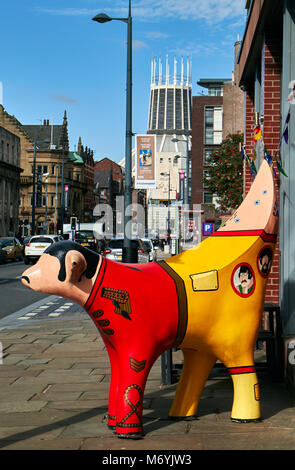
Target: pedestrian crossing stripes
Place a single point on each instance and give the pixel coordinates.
(52, 309)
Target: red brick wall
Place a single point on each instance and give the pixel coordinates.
(248, 138)
(271, 132)
(106, 165)
(198, 146)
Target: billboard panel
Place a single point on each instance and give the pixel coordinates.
(145, 164)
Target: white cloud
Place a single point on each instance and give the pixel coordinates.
(212, 11)
(63, 98)
(156, 35)
(136, 45)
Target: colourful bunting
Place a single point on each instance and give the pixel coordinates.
(280, 168)
(257, 133)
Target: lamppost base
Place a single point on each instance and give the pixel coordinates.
(130, 255)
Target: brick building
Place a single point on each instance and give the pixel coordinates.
(206, 135)
(267, 71)
(214, 116)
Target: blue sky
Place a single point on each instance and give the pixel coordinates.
(55, 58)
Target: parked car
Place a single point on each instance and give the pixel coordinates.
(150, 248)
(3, 256)
(12, 247)
(37, 245)
(114, 249)
(24, 243)
(86, 238)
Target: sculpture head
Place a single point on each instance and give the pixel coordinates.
(66, 269)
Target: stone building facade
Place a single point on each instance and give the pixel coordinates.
(89, 198)
(46, 147)
(10, 171)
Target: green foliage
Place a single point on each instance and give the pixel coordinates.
(225, 173)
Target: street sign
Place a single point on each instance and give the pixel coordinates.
(207, 228)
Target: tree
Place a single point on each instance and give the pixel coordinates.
(225, 173)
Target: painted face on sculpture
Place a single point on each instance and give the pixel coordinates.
(265, 260)
(62, 266)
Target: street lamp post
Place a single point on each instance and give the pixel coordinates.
(34, 189)
(129, 253)
(186, 199)
(168, 204)
(62, 200)
(46, 182)
(55, 207)
(34, 182)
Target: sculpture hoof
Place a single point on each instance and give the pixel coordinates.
(236, 420)
(184, 418)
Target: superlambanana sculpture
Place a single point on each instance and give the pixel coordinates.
(207, 301)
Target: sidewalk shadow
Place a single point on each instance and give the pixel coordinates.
(22, 436)
(217, 398)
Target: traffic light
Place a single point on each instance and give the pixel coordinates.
(73, 223)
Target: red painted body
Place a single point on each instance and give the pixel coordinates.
(136, 340)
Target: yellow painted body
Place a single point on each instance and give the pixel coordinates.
(223, 322)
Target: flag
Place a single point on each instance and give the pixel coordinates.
(242, 153)
(279, 166)
(253, 170)
(268, 158)
(286, 135)
(257, 133)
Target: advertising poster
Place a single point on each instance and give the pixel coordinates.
(145, 165)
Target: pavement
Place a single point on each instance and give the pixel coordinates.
(54, 381)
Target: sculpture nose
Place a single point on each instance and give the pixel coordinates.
(25, 278)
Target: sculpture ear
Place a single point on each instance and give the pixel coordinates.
(76, 265)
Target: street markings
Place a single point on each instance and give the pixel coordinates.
(52, 309)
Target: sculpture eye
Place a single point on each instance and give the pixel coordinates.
(257, 202)
(237, 220)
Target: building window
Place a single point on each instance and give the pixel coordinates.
(208, 198)
(215, 91)
(155, 107)
(213, 125)
(206, 175)
(178, 112)
(170, 106)
(161, 109)
(207, 155)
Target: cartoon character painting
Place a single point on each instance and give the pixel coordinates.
(207, 301)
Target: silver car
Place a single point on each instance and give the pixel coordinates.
(114, 250)
(150, 248)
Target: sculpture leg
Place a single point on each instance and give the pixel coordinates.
(196, 368)
(133, 376)
(112, 353)
(246, 403)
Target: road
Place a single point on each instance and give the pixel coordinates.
(13, 295)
